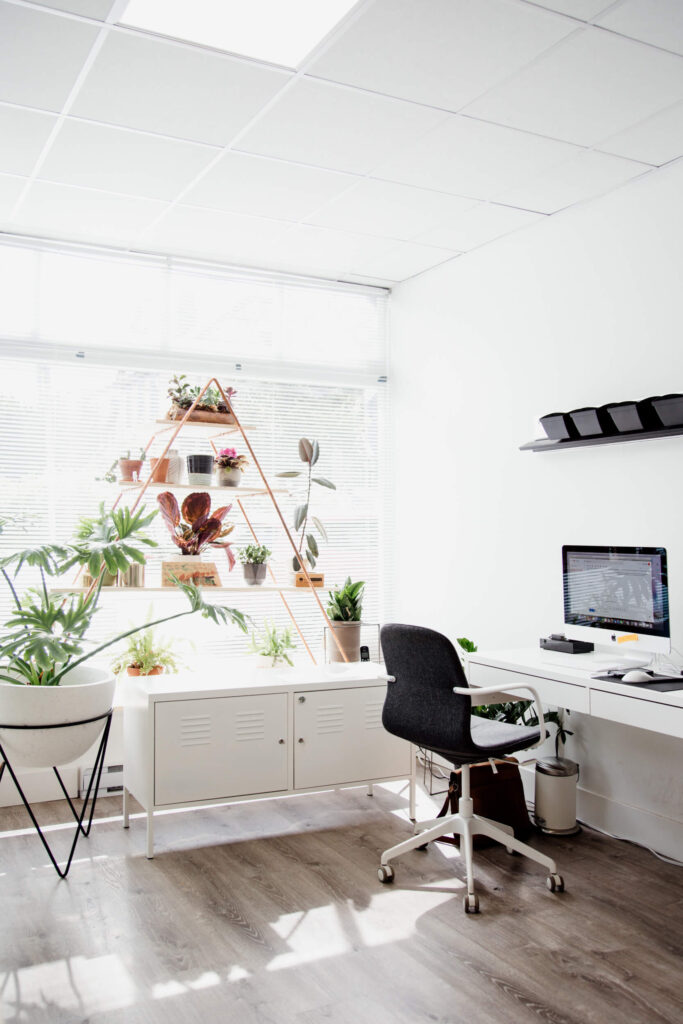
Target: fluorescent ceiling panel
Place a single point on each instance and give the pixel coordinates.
(267, 30)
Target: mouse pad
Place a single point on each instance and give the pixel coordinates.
(664, 684)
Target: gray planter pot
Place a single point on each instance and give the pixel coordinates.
(229, 477)
(348, 634)
(254, 575)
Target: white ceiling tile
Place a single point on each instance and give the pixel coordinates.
(439, 52)
(23, 133)
(657, 140)
(479, 225)
(584, 10)
(188, 230)
(467, 157)
(329, 250)
(266, 188)
(659, 22)
(585, 176)
(41, 55)
(591, 85)
(116, 160)
(403, 260)
(97, 9)
(183, 91)
(80, 214)
(388, 209)
(10, 190)
(336, 127)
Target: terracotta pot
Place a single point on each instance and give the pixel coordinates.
(156, 671)
(228, 477)
(159, 470)
(348, 634)
(130, 469)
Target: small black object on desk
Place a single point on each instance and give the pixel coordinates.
(559, 642)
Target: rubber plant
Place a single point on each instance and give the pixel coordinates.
(193, 525)
(309, 453)
(45, 635)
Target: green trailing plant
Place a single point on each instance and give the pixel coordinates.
(45, 635)
(307, 544)
(519, 712)
(345, 603)
(254, 554)
(271, 642)
(183, 394)
(146, 651)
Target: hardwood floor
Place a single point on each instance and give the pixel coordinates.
(271, 912)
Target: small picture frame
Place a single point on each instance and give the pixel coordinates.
(202, 574)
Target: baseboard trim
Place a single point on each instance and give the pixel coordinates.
(638, 824)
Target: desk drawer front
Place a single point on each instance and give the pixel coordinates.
(551, 691)
(644, 714)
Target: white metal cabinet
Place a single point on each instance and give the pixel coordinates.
(339, 738)
(219, 747)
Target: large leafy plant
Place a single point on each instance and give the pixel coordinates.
(309, 453)
(193, 526)
(346, 603)
(45, 635)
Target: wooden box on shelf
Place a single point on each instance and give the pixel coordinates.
(317, 579)
(201, 416)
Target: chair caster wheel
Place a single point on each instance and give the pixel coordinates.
(471, 904)
(423, 847)
(385, 874)
(555, 883)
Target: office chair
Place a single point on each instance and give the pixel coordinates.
(428, 703)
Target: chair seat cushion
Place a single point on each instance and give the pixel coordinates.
(496, 738)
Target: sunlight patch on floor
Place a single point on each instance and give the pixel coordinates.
(99, 983)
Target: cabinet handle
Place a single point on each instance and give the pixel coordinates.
(281, 741)
(301, 739)
(302, 700)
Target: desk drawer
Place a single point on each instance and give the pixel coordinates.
(644, 714)
(551, 691)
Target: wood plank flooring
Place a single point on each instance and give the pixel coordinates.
(271, 913)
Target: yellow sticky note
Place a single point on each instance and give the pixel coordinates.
(629, 636)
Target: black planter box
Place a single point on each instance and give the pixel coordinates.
(669, 409)
(626, 417)
(559, 427)
(200, 464)
(592, 421)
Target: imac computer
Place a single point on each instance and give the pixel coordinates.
(617, 597)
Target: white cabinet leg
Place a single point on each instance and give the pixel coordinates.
(371, 790)
(150, 835)
(126, 809)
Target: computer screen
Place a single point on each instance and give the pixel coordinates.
(619, 591)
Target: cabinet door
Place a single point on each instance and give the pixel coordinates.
(219, 747)
(339, 738)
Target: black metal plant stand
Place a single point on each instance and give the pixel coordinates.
(94, 780)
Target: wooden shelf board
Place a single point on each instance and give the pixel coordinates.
(216, 428)
(245, 492)
(545, 444)
(270, 588)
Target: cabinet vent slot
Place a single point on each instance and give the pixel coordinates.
(195, 730)
(329, 718)
(249, 726)
(373, 714)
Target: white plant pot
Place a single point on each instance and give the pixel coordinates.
(85, 692)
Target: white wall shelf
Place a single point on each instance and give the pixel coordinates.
(271, 588)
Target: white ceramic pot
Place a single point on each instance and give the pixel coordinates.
(228, 477)
(85, 692)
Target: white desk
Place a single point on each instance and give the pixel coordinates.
(564, 680)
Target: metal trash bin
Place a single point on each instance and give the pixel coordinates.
(555, 802)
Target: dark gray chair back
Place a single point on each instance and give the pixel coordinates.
(421, 706)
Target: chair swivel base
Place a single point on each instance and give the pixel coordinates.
(467, 825)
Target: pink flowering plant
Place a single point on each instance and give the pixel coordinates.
(229, 459)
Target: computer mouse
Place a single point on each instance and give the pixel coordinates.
(636, 675)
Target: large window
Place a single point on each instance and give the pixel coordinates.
(310, 359)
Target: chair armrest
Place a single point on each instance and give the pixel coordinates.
(483, 691)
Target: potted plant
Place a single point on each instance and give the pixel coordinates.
(193, 527)
(130, 469)
(254, 558)
(344, 611)
(210, 409)
(200, 470)
(146, 654)
(272, 643)
(307, 546)
(230, 467)
(46, 674)
(97, 532)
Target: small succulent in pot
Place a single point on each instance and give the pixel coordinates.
(210, 408)
(230, 467)
(146, 654)
(254, 558)
(273, 643)
(194, 526)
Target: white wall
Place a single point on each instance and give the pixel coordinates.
(583, 308)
